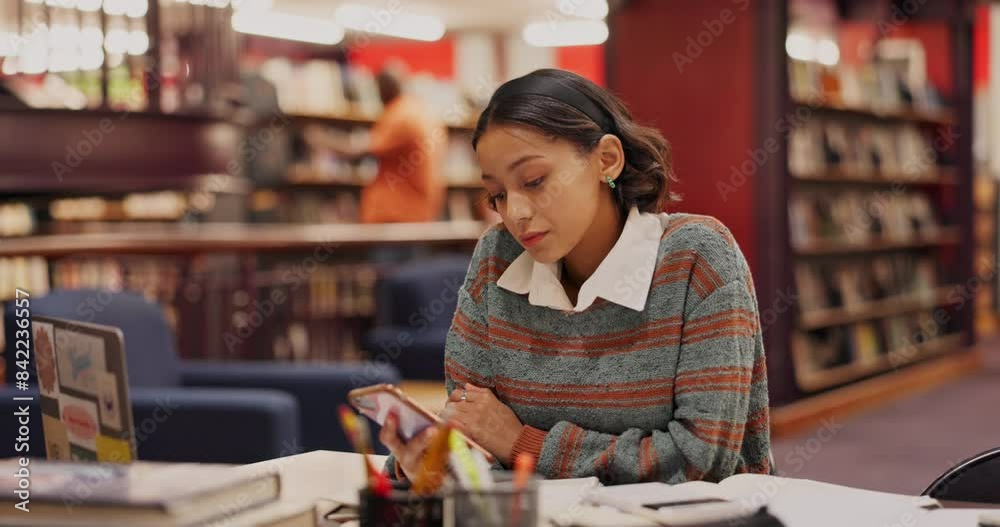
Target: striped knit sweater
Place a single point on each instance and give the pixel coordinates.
(675, 392)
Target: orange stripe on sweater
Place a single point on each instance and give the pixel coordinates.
(708, 438)
(727, 315)
(588, 403)
(471, 331)
(739, 332)
(613, 337)
(642, 340)
(589, 392)
(602, 465)
(628, 385)
(461, 374)
(488, 271)
(710, 372)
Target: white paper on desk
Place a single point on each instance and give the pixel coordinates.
(562, 498)
(662, 493)
(949, 518)
(817, 504)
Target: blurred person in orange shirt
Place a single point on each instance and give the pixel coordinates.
(409, 144)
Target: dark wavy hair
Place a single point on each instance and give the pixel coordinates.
(645, 179)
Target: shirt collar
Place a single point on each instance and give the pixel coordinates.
(623, 277)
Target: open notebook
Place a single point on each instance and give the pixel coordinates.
(586, 503)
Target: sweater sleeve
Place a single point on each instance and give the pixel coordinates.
(466, 351)
(712, 392)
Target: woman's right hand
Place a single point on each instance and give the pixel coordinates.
(408, 454)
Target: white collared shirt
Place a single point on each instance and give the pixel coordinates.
(623, 277)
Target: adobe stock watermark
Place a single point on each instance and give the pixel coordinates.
(898, 16)
(419, 321)
(758, 157)
(713, 29)
(93, 138)
(261, 310)
(930, 328)
(796, 459)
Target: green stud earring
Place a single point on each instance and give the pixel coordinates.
(611, 182)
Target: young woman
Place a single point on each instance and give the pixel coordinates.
(594, 331)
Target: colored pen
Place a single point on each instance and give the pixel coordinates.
(524, 466)
(433, 466)
(360, 436)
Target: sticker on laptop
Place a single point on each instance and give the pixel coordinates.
(80, 418)
(107, 399)
(45, 359)
(80, 360)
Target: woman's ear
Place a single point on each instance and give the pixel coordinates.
(610, 156)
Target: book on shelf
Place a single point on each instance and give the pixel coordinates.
(152, 494)
(881, 85)
(858, 284)
(854, 217)
(866, 151)
(868, 344)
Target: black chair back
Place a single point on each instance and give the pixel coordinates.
(976, 479)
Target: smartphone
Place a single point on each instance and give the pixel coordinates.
(378, 401)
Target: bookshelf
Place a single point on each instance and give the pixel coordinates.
(753, 152)
(947, 237)
(941, 117)
(352, 120)
(816, 380)
(877, 192)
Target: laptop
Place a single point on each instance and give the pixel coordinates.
(83, 387)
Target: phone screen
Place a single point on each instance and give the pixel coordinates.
(378, 405)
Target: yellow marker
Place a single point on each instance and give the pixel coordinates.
(434, 464)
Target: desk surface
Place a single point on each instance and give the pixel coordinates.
(333, 478)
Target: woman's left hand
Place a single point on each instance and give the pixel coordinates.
(484, 419)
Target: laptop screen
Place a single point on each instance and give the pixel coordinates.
(83, 386)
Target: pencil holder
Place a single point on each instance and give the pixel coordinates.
(401, 508)
(500, 506)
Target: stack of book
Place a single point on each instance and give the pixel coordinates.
(866, 150)
(151, 494)
(857, 217)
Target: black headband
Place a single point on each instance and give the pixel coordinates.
(558, 90)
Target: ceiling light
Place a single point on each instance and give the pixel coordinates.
(116, 7)
(10, 66)
(383, 22)
(91, 59)
(117, 41)
(289, 27)
(260, 5)
(827, 52)
(137, 8)
(567, 33)
(595, 9)
(88, 5)
(8, 43)
(138, 42)
(800, 47)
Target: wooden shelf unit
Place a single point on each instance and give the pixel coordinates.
(941, 118)
(944, 176)
(241, 237)
(827, 378)
(947, 236)
(886, 307)
(361, 120)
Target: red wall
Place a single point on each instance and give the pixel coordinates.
(704, 108)
(587, 61)
(436, 58)
(981, 47)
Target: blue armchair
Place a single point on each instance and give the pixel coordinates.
(416, 305)
(234, 412)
